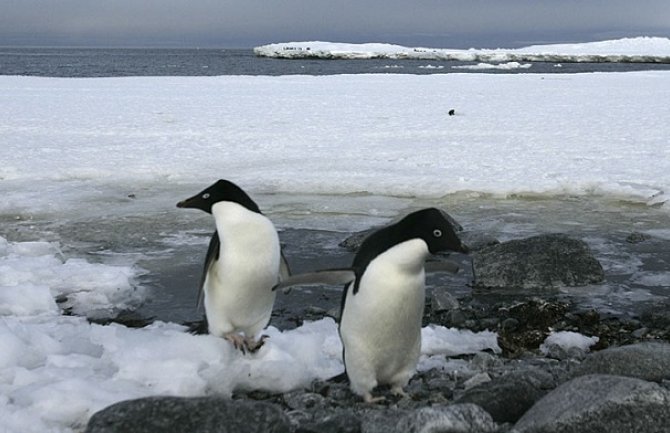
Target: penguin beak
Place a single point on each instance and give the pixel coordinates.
(188, 203)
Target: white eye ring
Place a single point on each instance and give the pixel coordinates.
(437, 233)
(205, 196)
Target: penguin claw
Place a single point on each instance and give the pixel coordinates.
(254, 346)
(238, 342)
(399, 392)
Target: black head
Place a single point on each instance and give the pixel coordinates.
(434, 227)
(222, 190)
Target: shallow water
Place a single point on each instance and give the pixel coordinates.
(169, 244)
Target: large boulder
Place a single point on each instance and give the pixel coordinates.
(178, 414)
(600, 403)
(538, 262)
(648, 361)
(508, 397)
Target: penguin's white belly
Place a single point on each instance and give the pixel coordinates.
(239, 298)
(381, 324)
(238, 286)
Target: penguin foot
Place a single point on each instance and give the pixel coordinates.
(253, 346)
(238, 341)
(368, 398)
(399, 392)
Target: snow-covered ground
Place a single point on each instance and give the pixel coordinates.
(362, 146)
(640, 49)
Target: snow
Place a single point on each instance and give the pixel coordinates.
(575, 134)
(567, 340)
(56, 371)
(78, 147)
(639, 49)
(500, 66)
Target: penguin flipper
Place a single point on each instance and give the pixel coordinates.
(284, 269)
(212, 255)
(329, 277)
(441, 266)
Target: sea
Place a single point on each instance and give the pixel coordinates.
(167, 275)
(122, 62)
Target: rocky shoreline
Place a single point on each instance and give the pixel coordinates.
(622, 384)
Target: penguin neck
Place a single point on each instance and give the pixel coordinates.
(235, 223)
(409, 255)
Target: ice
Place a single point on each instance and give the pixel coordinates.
(450, 341)
(500, 66)
(640, 49)
(34, 274)
(567, 340)
(353, 136)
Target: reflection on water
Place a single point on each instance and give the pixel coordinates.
(631, 240)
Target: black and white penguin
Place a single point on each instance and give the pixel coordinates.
(244, 261)
(383, 300)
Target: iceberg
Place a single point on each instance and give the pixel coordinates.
(642, 49)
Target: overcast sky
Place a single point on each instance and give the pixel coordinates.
(246, 23)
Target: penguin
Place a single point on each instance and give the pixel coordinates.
(243, 262)
(383, 299)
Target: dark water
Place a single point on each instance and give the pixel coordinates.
(95, 62)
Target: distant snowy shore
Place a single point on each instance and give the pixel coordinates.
(626, 50)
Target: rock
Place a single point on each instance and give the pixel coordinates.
(178, 414)
(530, 325)
(300, 399)
(508, 397)
(476, 380)
(636, 238)
(381, 420)
(341, 421)
(539, 262)
(600, 403)
(648, 361)
(477, 240)
(441, 300)
(456, 418)
(353, 242)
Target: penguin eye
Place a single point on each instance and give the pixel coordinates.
(205, 196)
(437, 233)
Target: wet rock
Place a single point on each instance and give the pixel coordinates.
(456, 418)
(177, 414)
(648, 361)
(441, 300)
(525, 325)
(353, 242)
(636, 238)
(477, 240)
(508, 397)
(539, 262)
(600, 403)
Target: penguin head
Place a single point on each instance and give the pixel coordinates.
(222, 190)
(434, 227)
